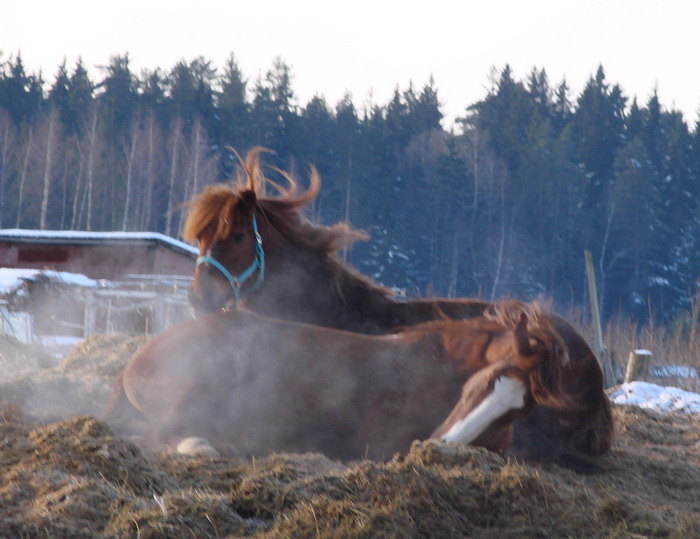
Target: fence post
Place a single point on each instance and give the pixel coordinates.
(89, 314)
(638, 365)
(159, 321)
(601, 352)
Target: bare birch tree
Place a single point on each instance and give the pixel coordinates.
(79, 189)
(92, 149)
(48, 168)
(150, 172)
(174, 157)
(23, 176)
(197, 156)
(130, 164)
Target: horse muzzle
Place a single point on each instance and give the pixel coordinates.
(207, 299)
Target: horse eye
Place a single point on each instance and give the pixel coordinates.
(238, 238)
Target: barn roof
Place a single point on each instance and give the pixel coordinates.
(79, 237)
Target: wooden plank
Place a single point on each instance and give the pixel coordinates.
(638, 365)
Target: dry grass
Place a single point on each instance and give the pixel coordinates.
(677, 343)
(76, 478)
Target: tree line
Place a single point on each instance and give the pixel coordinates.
(504, 203)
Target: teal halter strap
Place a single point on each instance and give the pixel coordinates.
(237, 282)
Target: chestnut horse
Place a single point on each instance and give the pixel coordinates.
(271, 385)
(285, 267)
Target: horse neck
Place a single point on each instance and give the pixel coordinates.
(461, 344)
(302, 286)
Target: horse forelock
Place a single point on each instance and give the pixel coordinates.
(209, 215)
(508, 313)
(250, 176)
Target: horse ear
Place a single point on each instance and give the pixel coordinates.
(248, 200)
(522, 338)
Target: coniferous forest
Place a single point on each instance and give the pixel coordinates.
(505, 203)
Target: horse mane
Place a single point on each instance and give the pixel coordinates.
(507, 313)
(209, 218)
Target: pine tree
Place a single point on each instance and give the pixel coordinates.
(118, 98)
(21, 95)
(274, 114)
(598, 126)
(234, 108)
(80, 99)
(59, 93)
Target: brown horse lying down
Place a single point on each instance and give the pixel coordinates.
(269, 385)
(286, 267)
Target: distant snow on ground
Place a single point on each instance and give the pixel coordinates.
(655, 397)
(12, 279)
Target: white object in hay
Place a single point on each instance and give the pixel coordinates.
(194, 446)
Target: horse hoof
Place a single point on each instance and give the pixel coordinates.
(194, 446)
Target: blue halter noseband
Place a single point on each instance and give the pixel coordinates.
(238, 281)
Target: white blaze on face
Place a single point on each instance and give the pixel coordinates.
(508, 394)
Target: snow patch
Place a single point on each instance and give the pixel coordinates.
(655, 397)
(12, 279)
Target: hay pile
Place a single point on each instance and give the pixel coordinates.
(79, 384)
(17, 358)
(77, 478)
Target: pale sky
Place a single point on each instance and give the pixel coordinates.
(370, 47)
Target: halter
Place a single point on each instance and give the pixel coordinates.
(238, 281)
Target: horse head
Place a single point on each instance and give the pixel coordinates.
(523, 361)
(240, 229)
(222, 222)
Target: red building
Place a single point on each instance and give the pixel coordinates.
(137, 281)
(99, 255)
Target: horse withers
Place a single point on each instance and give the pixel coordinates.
(266, 385)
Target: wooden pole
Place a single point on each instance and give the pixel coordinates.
(638, 365)
(89, 316)
(601, 352)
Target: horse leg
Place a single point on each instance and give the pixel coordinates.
(171, 424)
(120, 412)
(487, 397)
(116, 399)
(189, 420)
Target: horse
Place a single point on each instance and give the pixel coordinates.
(263, 251)
(268, 385)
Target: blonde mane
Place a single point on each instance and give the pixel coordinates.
(210, 214)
